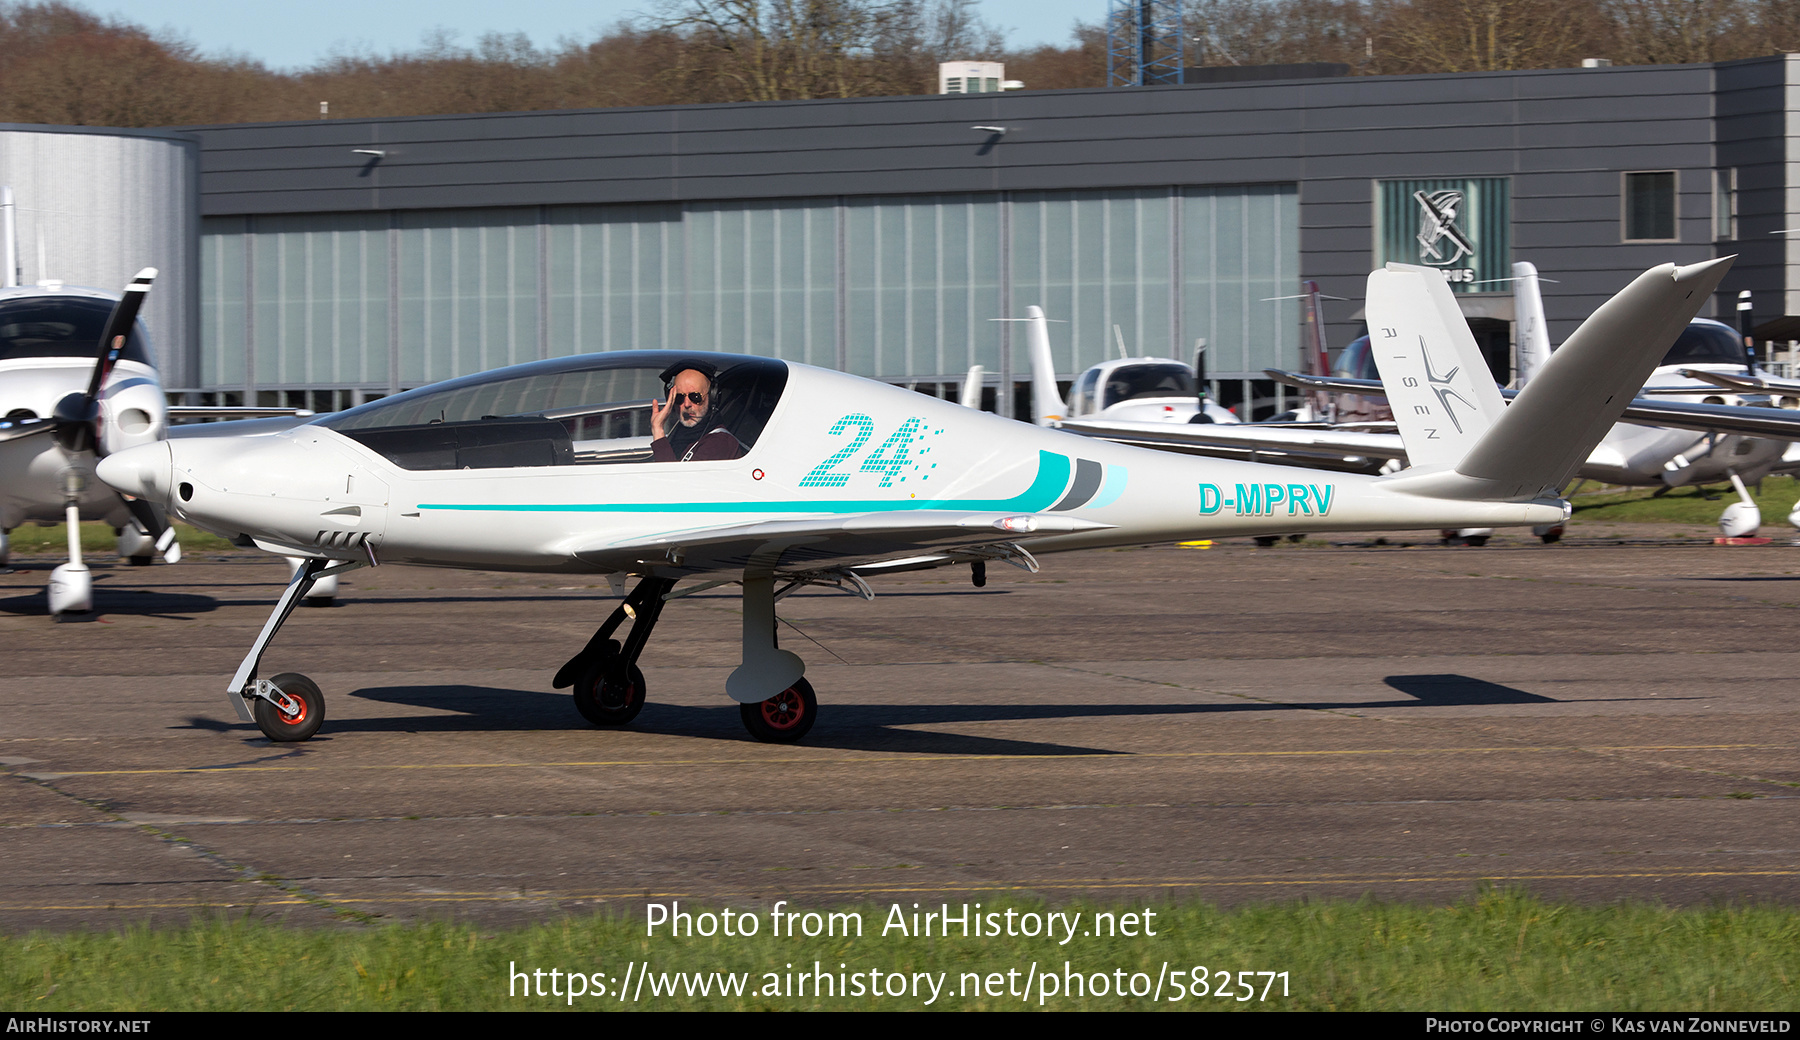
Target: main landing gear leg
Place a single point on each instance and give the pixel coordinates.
(609, 689)
(776, 702)
(288, 707)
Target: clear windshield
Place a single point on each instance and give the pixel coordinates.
(1707, 343)
(61, 326)
(1130, 382)
(1356, 361)
(591, 409)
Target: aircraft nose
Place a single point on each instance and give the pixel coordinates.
(146, 472)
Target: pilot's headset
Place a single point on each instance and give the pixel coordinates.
(715, 399)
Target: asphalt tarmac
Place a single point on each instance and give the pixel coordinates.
(1588, 721)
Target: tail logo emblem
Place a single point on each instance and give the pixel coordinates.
(1442, 387)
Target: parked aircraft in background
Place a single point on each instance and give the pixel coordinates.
(813, 477)
(76, 384)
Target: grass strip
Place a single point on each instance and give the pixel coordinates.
(1595, 502)
(98, 537)
(1496, 951)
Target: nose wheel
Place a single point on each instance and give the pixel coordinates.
(295, 714)
(783, 718)
(604, 700)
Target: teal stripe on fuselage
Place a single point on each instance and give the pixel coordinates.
(1052, 478)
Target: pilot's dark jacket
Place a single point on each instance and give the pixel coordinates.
(717, 444)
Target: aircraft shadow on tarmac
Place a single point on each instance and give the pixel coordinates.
(174, 606)
(862, 727)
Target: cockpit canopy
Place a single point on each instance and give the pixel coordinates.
(584, 410)
(62, 326)
(1707, 343)
(1148, 379)
(1356, 361)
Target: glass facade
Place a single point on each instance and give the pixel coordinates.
(900, 288)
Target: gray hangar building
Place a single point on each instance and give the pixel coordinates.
(344, 259)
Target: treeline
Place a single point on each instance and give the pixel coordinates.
(61, 64)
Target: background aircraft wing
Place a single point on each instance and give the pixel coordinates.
(1781, 423)
(831, 542)
(1300, 444)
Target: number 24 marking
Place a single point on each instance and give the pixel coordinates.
(887, 460)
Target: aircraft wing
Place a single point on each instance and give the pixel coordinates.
(1302, 444)
(14, 429)
(246, 427)
(1742, 384)
(195, 411)
(1779, 423)
(829, 542)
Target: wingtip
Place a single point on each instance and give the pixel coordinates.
(1716, 266)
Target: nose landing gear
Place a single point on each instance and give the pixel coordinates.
(289, 707)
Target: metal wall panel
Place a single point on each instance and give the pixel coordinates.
(1562, 138)
(95, 206)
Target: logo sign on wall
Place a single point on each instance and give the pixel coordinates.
(1461, 226)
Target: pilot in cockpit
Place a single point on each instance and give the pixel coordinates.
(685, 428)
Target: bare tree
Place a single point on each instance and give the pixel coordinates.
(1669, 32)
(1485, 35)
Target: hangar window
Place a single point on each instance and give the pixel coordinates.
(584, 410)
(1650, 206)
(1725, 203)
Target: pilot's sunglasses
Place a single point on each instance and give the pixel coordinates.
(695, 396)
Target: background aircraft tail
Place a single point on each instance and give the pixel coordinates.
(1046, 403)
(1533, 335)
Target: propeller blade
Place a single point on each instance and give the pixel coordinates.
(118, 327)
(146, 516)
(155, 525)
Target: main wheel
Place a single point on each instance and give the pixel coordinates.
(608, 704)
(783, 718)
(141, 561)
(283, 728)
(1476, 540)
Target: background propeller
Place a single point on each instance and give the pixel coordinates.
(76, 420)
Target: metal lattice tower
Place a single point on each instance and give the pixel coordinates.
(1143, 42)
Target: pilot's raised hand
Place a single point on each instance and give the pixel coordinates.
(659, 416)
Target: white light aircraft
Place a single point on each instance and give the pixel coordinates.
(76, 384)
(671, 466)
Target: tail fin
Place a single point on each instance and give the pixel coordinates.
(9, 239)
(1443, 396)
(971, 389)
(1582, 390)
(1528, 311)
(1046, 404)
